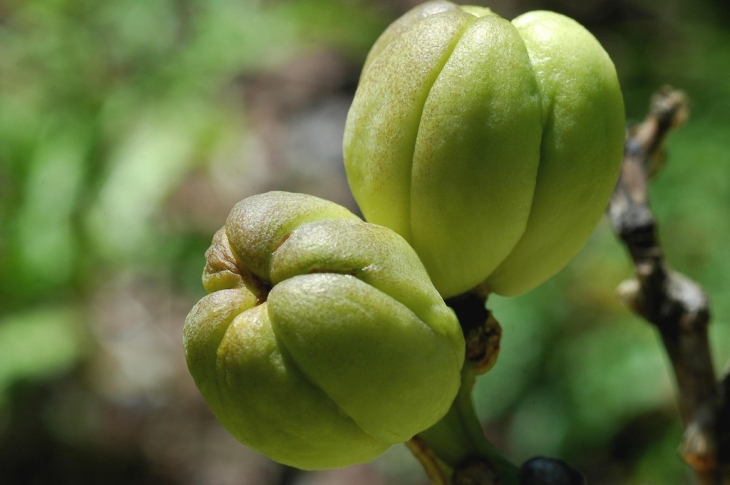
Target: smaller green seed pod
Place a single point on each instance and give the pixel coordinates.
(322, 341)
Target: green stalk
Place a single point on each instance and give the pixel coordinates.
(457, 440)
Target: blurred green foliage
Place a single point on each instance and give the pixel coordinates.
(106, 108)
(38, 344)
(107, 105)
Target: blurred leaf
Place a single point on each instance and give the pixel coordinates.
(38, 344)
(144, 167)
(610, 375)
(526, 327)
(353, 26)
(45, 240)
(539, 425)
(229, 37)
(660, 464)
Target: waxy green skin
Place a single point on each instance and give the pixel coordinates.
(491, 146)
(322, 341)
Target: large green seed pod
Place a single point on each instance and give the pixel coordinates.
(322, 341)
(491, 146)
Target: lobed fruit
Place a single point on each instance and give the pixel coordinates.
(491, 146)
(322, 341)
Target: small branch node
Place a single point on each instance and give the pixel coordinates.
(482, 331)
(629, 292)
(699, 447)
(482, 345)
(670, 106)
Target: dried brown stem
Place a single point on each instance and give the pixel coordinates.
(428, 459)
(674, 304)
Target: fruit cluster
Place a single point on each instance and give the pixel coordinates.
(482, 153)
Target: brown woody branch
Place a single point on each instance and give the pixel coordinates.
(673, 303)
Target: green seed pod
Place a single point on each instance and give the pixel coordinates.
(491, 146)
(322, 341)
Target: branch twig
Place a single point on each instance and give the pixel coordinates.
(673, 303)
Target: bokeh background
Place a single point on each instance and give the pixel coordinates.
(129, 128)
